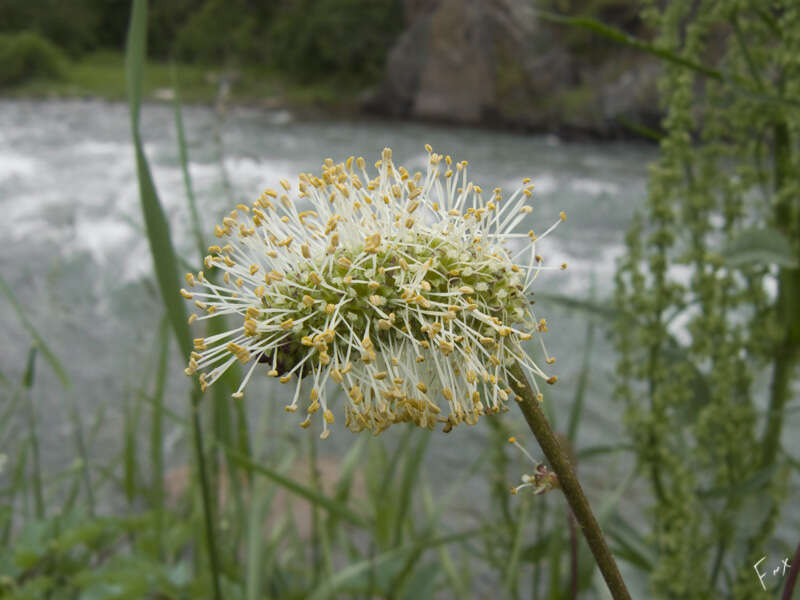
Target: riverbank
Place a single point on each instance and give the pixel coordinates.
(101, 75)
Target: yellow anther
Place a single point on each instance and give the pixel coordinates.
(192, 318)
(287, 324)
(186, 294)
(308, 300)
(552, 380)
(328, 416)
(422, 387)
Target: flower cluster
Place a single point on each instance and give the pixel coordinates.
(400, 288)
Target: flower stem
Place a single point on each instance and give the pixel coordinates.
(205, 494)
(569, 484)
(791, 580)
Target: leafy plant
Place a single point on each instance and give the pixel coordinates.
(709, 291)
(27, 55)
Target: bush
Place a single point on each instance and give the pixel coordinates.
(27, 55)
(73, 26)
(222, 31)
(343, 39)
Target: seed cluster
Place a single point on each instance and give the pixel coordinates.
(400, 289)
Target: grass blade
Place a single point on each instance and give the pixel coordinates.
(583, 379)
(164, 258)
(410, 473)
(156, 431)
(27, 384)
(66, 383)
(353, 572)
(42, 346)
(183, 154)
(290, 485)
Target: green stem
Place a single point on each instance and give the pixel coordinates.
(787, 350)
(197, 434)
(569, 484)
(791, 580)
(779, 395)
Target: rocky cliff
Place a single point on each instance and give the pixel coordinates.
(494, 62)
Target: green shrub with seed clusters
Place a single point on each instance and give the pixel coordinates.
(700, 320)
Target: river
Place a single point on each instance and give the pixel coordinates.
(76, 257)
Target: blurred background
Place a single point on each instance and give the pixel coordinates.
(667, 132)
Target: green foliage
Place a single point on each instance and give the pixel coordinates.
(723, 206)
(72, 25)
(225, 31)
(334, 38)
(306, 40)
(27, 55)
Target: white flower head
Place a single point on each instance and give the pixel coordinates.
(400, 288)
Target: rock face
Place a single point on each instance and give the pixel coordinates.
(492, 62)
